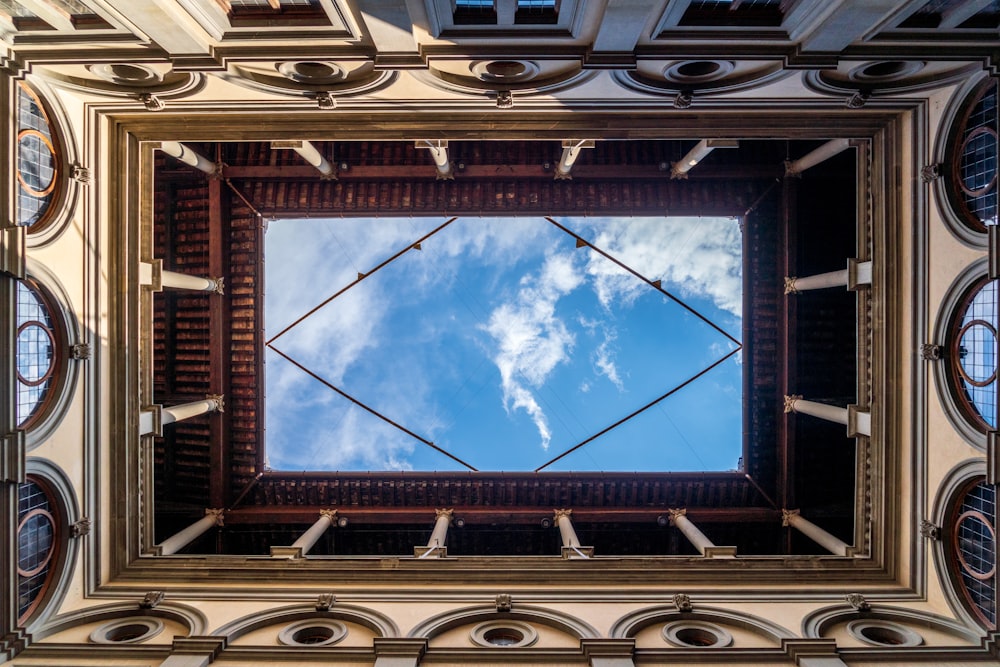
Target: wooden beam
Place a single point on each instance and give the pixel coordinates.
(495, 172)
(218, 323)
(787, 367)
(493, 515)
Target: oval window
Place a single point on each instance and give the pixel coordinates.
(38, 357)
(972, 352)
(38, 161)
(37, 544)
(972, 159)
(972, 549)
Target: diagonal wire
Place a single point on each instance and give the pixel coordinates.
(362, 276)
(655, 284)
(371, 410)
(637, 412)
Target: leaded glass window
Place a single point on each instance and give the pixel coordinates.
(36, 355)
(37, 162)
(36, 545)
(974, 550)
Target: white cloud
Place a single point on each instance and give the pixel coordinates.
(605, 359)
(531, 340)
(349, 440)
(700, 256)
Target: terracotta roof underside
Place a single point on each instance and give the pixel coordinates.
(217, 460)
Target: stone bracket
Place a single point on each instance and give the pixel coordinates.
(992, 458)
(12, 448)
(398, 650)
(800, 649)
(293, 553)
(720, 552)
(930, 530)
(199, 645)
(931, 352)
(81, 174)
(859, 274)
(571, 553)
(425, 552)
(151, 275)
(931, 172)
(859, 421)
(80, 528)
(608, 651)
(12, 251)
(151, 420)
(151, 599)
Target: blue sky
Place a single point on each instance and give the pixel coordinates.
(502, 342)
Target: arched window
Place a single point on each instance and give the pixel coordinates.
(972, 354)
(38, 162)
(40, 344)
(38, 542)
(971, 544)
(972, 159)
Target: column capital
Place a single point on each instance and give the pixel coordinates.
(560, 514)
(674, 513)
(790, 285)
(220, 285)
(330, 514)
(218, 513)
(444, 512)
(790, 402)
(220, 401)
(786, 516)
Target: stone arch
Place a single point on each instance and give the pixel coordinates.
(957, 479)
(65, 319)
(435, 625)
(67, 156)
(191, 618)
(629, 625)
(379, 623)
(817, 623)
(58, 486)
(952, 122)
(946, 317)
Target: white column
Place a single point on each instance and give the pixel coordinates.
(831, 413)
(699, 153)
(439, 153)
(176, 413)
(309, 153)
(309, 538)
(858, 422)
(566, 531)
(440, 533)
(856, 274)
(570, 152)
(174, 543)
(189, 156)
(691, 532)
(815, 533)
(196, 283)
(794, 285)
(811, 159)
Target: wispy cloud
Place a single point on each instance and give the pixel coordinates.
(530, 340)
(605, 359)
(698, 256)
